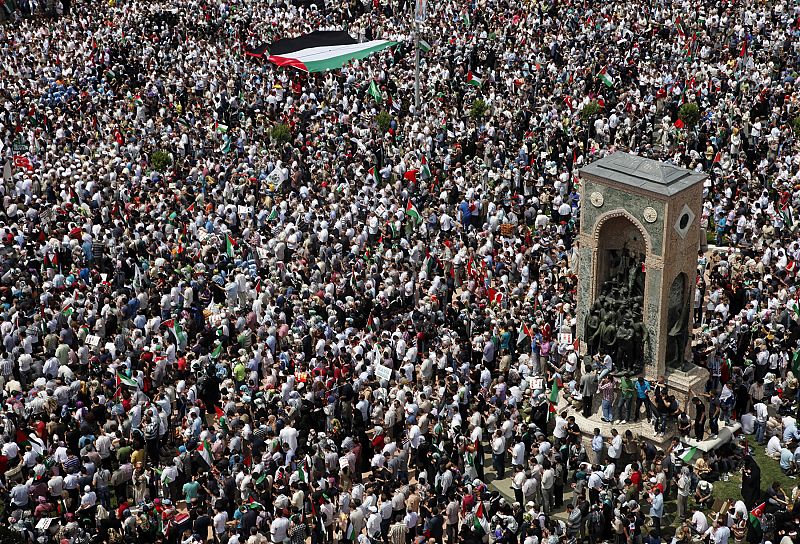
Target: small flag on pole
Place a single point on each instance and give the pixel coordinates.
(122, 378)
(554, 390)
(605, 78)
(205, 451)
(424, 171)
(756, 514)
(412, 212)
(473, 80)
(424, 46)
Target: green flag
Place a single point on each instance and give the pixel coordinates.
(689, 455)
(553, 399)
(375, 92)
(217, 351)
(474, 80)
(424, 46)
(424, 171)
(122, 378)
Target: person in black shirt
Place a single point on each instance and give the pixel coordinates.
(436, 525)
(202, 523)
(573, 431)
(699, 418)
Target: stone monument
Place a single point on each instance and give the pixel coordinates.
(637, 258)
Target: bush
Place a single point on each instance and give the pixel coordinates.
(280, 134)
(590, 110)
(9, 536)
(160, 161)
(689, 113)
(796, 126)
(384, 121)
(479, 109)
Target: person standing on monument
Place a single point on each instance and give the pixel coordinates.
(642, 387)
(625, 402)
(607, 393)
(588, 389)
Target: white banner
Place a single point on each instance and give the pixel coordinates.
(383, 372)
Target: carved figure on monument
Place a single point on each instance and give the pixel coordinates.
(592, 326)
(677, 322)
(642, 338)
(625, 344)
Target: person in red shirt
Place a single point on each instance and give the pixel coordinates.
(636, 478)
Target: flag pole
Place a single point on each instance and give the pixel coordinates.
(416, 57)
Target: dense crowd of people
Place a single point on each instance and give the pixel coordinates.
(245, 304)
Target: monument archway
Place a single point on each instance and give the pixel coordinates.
(614, 324)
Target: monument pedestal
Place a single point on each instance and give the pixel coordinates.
(690, 383)
(640, 429)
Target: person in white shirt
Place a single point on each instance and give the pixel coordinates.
(748, 422)
(719, 534)
(699, 521)
(220, 519)
(499, 454)
(560, 431)
(517, 482)
(774, 447)
(762, 416)
(518, 453)
(615, 446)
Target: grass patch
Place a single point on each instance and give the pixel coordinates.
(770, 472)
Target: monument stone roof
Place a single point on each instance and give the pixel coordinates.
(646, 174)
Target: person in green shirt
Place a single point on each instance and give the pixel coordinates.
(124, 452)
(625, 399)
(239, 372)
(191, 489)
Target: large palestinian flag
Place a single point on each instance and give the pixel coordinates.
(322, 50)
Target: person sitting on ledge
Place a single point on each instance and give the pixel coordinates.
(704, 470)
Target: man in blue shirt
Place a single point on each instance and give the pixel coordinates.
(657, 510)
(642, 387)
(597, 447)
(787, 461)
